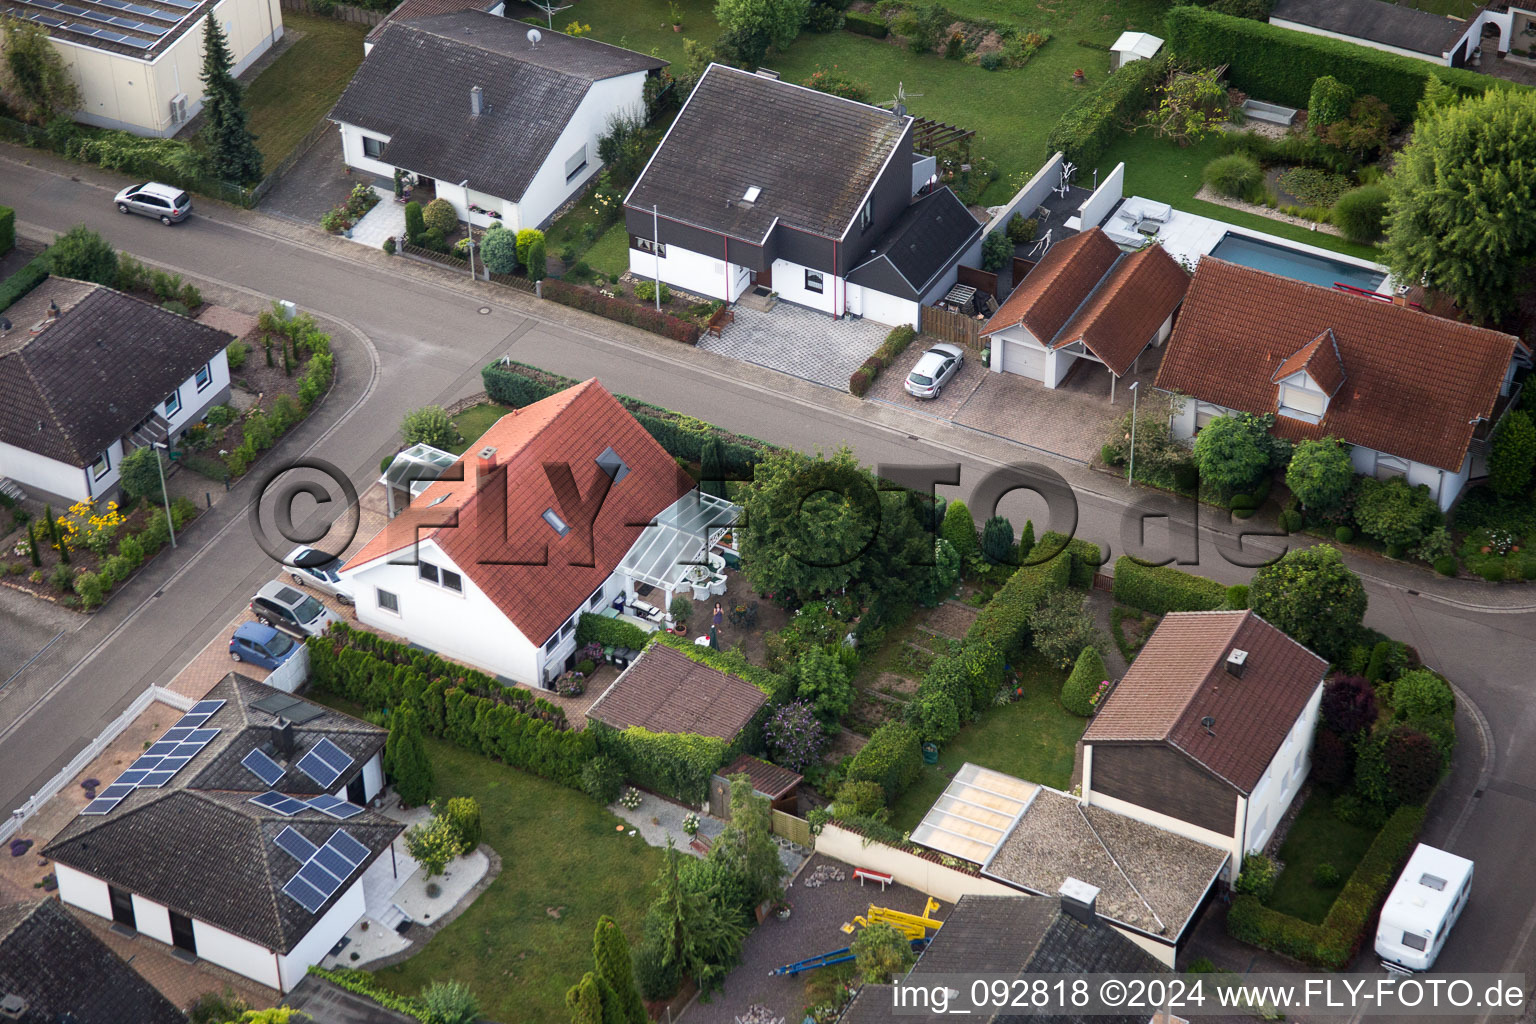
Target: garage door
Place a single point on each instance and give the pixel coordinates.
(1024, 360)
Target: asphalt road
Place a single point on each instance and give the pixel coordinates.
(410, 336)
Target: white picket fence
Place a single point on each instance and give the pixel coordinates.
(92, 751)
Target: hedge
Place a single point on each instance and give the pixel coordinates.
(1333, 944)
(779, 688)
(518, 384)
(625, 312)
(1088, 128)
(7, 229)
(893, 757)
(1161, 589)
(464, 706)
(1280, 64)
(592, 628)
(24, 280)
(1084, 555)
(670, 763)
(894, 345)
(863, 24)
(361, 982)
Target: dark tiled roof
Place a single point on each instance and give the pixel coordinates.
(410, 10)
(209, 853)
(536, 577)
(825, 155)
(1414, 382)
(773, 781)
(1180, 677)
(1399, 25)
(414, 87)
(664, 690)
(85, 379)
(921, 243)
(54, 963)
(1123, 315)
(1059, 284)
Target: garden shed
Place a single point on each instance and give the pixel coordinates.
(778, 784)
(1133, 46)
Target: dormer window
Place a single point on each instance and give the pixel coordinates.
(1302, 399)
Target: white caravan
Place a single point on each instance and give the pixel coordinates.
(1422, 908)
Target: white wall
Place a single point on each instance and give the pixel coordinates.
(881, 307)
(152, 919)
(352, 151)
(1026, 199)
(1282, 778)
(684, 268)
(789, 282)
(373, 776)
(242, 956)
(549, 189)
(1297, 26)
(317, 942)
(87, 892)
(1110, 191)
(923, 168)
(468, 626)
(1445, 487)
(944, 884)
(38, 473)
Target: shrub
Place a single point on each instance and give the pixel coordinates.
(1344, 535)
(525, 239)
(997, 544)
(415, 222)
(1413, 764)
(602, 778)
(1021, 231)
(1257, 877)
(433, 844)
(866, 24)
(859, 799)
(1513, 455)
(859, 382)
(464, 813)
(881, 953)
(677, 765)
(1359, 213)
(1086, 130)
(838, 83)
(1320, 475)
(498, 248)
(608, 632)
(1394, 511)
(441, 217)
(794, 735)
(656, 976)
(7, 229)
(450, 1002)
(236, 353)
(892, 757)
(83, 254)
(429, 425)
(405, 757)
(1445, 565)
(662, 323)
(92, 588)
(1236, 175)
(1237, 597)
(1333, 759)
(1348, 705)
(645, 291)
(1163, 589)
(1325, 876)
(996, 251)
(1328, 102)
(388, 245)
(1081, 693)
(1062, 628)
(959, 528)
(24, 280)
(1422, 694)
(1313, 596)
(139, 473)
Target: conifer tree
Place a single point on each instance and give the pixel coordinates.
(232, 152)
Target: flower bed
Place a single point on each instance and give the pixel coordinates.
(624, 311)
(342, 217)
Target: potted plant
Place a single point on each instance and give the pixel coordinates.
(681, 609)
(691, 825)
(1078, 76)
(781, 910)
(677, 15)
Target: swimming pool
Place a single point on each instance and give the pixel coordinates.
(1294, 263)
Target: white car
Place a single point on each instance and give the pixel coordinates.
(166, 203)
(319, 569)
(933, 370)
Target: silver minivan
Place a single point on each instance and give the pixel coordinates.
(166, 203)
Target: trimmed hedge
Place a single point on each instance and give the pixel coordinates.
(1333, 944)
(1084, 555)
(625, 312)
(779, 688)
(1280, 64)
(863, 24)
(1162, 589)
(464, 706)
(361, 982)
(670, 763)
(1086, 130)
(593, 628)
(894, 345)
(1078, 692)
(7, 229)
(24, 280)
(893, 757)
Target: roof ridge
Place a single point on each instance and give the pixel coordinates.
(1056, 340)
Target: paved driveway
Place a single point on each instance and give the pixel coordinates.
(318, 182)
(800, 342)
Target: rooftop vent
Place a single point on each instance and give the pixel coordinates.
(282, 738)
(1079, 900)
(1236, 661)
(751, 194)
(476, 101)
(12, 1007)
(765, 73)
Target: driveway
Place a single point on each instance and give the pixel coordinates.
(318, 182)
(28, 627)
(800, 342)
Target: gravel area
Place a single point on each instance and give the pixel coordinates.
(657, 820)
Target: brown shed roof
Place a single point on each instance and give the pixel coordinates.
(1121, 317)
(771, 780)
(1180, 678)
(664, 690)
(1053, 291)
(1414, 384)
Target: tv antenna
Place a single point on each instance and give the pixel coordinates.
(899, 101)
(534, 35)
(550, 9)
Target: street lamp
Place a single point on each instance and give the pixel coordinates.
(469, 221)
(1130, 470)
(170, 521)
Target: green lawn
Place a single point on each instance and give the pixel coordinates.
(1316, 837)
(473, 422)
(1455, 8)
(561, 853)
(301, 86)
(645, 25)
(610, 253)
(1032, 738)
(1160, 169)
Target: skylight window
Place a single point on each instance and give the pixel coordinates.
(751, 194)
(610, 463)
(555, 522)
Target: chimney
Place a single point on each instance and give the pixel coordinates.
(53, 311)
(1236, 661)
(476, 101)
(485, 462)
(282, 738)
(1080, 900)
(12, 1007)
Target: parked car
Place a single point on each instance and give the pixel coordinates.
(933, 370)
(292, 611)
(260, 645)
(1422, 908)
(311, 568)
(166, 203)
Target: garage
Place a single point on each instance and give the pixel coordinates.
(1024, 359)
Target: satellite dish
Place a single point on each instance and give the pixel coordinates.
(534, 35)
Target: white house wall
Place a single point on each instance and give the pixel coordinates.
(352, 151)
(686, 269)
(549, 190)
(152, 919)
(242, 956)
(41, 476)
(881, 307)
(1282, 777)
(373, 776)
(789, 282)
(1027, 199)
(79, 889)
(326, 932)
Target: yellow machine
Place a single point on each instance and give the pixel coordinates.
(910, 925)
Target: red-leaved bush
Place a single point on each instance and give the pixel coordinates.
(622, 310)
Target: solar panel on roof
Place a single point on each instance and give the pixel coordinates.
(325, 762)
(335, 806)
(334, 862)
(205, 707)
(263, 767)
(174, 763)
(295, 845)
(51, 23)
(132, 776)
(306, 895)
(146, 762)
(116, 791)
(142, 44)
(343, 843)
(202, 735)
(185, 751)
(190, 721)
(178, 733)
(333, 755)
(278, 802)
(320, 878)
(100, 805)
(160, 749)
(157, 778)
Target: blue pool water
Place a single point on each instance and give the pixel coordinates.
(1293, 263)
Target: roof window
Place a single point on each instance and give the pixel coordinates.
(751, 194)
(610, 462)
(555, 522)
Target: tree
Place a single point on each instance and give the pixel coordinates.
(1233, 452)
(440, 216)
(1394, 511)
(525, 239)
(712, 467)
(1413, 764)
(821, 679)
(464, 812)
(1422, 694)
(584, 1001)
(405, 757)
(498, 248)
(232, 152)
(1026, 541)
(415, 222)
(1513, 455)
(959, 528)
(794, 735)
(538, 262)
(1348, 705)
(942, 576)
(696, 931)
(1455, 190)
(1081, 693)
(881, 952)
(1320, 475)
(746, 848)
(84, 255)
(622, 146)
(450, 1002)
(429, 425)
(139, 473)
(1061, 627)
(1193, 104)
(610, 955)
(997, 541)
(433, 844)
(1365, 131)
(776, 21)
(1333, 758)
(996, 251)
(1330, 102)
(1312, 595)
(33, 78)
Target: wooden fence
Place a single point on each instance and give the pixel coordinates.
(953, 327)
(341, 12)
(796, 830)
(1021, 269)
(982, 280)
(416, 252)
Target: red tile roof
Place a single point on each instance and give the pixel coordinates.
(664, 690)
(1123, 315)
(1413, 384)
(1320, 359)
(1180, 678)
(1048, 297)
(549, 451)
(771, 780)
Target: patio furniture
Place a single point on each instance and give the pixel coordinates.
(645, 610)
(701, 591)
(716, 563)
(874, 876)
(960, 298)
(717, 586)
(732, 561)
(723, 318)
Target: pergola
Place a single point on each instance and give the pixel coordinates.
(678, 537)
(413, 471)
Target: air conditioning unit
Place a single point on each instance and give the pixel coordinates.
(178, 108)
